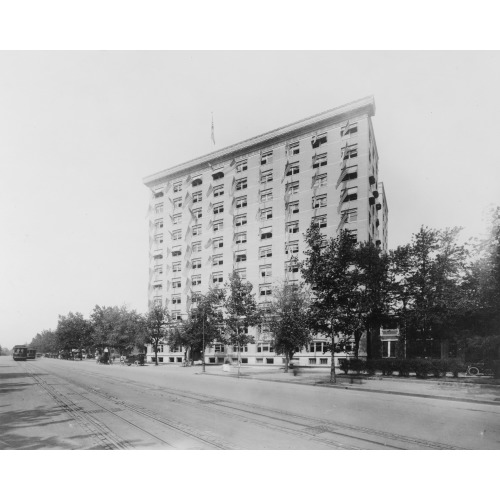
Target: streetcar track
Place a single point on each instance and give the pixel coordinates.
(233, 410)
(177, 426)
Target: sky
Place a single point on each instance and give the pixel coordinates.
(80, 130)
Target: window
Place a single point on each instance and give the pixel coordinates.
(157, 301)
(265, 347)
(196, 280)
(312, 361)
(320, 160)
(218, 191)
(195, 298)
(197, 197)
(266, 158)
(265, 252)
(241, 184)
(319, 201)
(176, 251)
(219, 208)
(292, 247)
(349, 194)
(176, 299)
(292, 188)
(266, 271)
(177, 187)
(197, 214)
(159, 208)
(293, 207)
(293, 168)
(349, 173)
(266, 177)
(292, 268)
(349, 151)
(241, 202)
(197, 230)
(218, 225)
(217, 278)
(176, 283)
(177, 219)
(157, 288)
(196, 264)
(159, 241)
(158, 224)
(176, 315)
(240, 238)
(353, 233)
(197, 246)
(241, 348)
(266, 233)
(217, 260)
(266, 195)
(323, 361)
(265, 290)
(159, 194)
(241, 220)
(259, 361)
(177, 203)
(294, 149)
(266, 214)
(242, 273)
(240, 256)
(171, 360)
(349, 129)
(176, 267)
(177, 234)
(319, 180)
(241, 166)
(217, 175)
(318, 140)
(270, 361)
(292, 227)
(218, 243)
(318, 347)
(197, 181)
(319, 221)
(351, 215)
(218, 347)
(158, 271)
(157, 257)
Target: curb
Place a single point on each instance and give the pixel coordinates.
(380, 391)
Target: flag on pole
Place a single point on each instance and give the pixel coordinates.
(213, 132)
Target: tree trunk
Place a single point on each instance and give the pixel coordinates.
(333, 375)
(287, 358)
(156, 354)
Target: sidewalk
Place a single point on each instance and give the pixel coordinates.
(467, 389)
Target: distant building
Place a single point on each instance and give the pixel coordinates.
(246, 207)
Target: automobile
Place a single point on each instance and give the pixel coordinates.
(135, 359)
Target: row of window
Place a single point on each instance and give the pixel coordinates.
(211, 360)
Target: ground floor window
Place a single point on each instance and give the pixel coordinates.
(259, 360)
(211, 360)
(234, 360)
(389, 348)
(312, 361)
(179, 360)
(323, 361)
(220, 360)
(160, 360)
(270, 361)
(172, 360)
(244, 360)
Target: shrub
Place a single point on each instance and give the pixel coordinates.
(403, 367)
(496, 368)
(344, 365)
(357, 365)
(422, 367)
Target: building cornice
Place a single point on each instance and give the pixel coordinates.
(365, 106)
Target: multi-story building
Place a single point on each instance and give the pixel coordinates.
(247, 206)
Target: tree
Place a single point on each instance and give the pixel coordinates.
(241, 312)
(203, 325)
(329, 269)
(288, 320)
(373, 291)
(45, 341)
(74, 332)
(155, 324)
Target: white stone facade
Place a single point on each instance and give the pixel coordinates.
(246, 207)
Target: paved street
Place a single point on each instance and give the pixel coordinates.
(58, 404)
